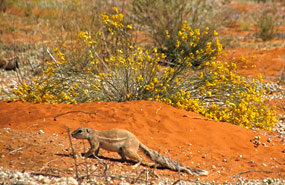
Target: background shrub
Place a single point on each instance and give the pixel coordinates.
(266, 22)
(157, 17)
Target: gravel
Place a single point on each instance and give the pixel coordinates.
(19, 178)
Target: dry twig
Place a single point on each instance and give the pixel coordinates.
(248, 171)
(46, 164)
(73, 112)
(45, 174)
(207, 119)
(12, 152)
(73, 153)
(157, 110)
(139, 176)
(86, 164)
(278, 162)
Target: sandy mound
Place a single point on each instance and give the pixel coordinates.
(221, 148)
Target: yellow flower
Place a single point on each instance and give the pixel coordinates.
(177, 81)
(105, 18)
(114, 24)
(102, 76)
(260, 77)
(90, 56)
(155, 50)
(167, 34)
(85, 91)
(201, 75)
(140, 78)
(177, 44)
(120, 17)
(129, 26)
(115, 9)
(155, 80)
(197, 32)
(111, 31)
(209, 93)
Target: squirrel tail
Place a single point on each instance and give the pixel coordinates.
(167, 162)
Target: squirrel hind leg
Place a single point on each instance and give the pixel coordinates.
(137, 164)
(132, 154)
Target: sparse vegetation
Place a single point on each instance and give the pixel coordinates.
(266, 23)
(169, 51)
(104, 58)
(115, 69)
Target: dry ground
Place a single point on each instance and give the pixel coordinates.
(32, 140)
(37, 142)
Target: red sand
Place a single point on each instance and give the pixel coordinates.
(214, 145)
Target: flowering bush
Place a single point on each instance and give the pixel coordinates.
(199, 14)
(221, 94)
(118, 70)
(194, 45)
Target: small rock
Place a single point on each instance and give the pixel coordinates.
(41, 131)
(71, 180)
(213, 167)
(93, 167)
(252, 162)
(109, 179)
(20, 182)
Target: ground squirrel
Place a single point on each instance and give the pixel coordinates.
(127, 145)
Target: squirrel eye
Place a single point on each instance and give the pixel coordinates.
(79, 131)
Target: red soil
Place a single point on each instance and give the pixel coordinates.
(270, 63)
(216, 146)
(213, 146)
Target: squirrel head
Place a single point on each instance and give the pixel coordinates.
(82, 133)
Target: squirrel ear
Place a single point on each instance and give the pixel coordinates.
(88, 130)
